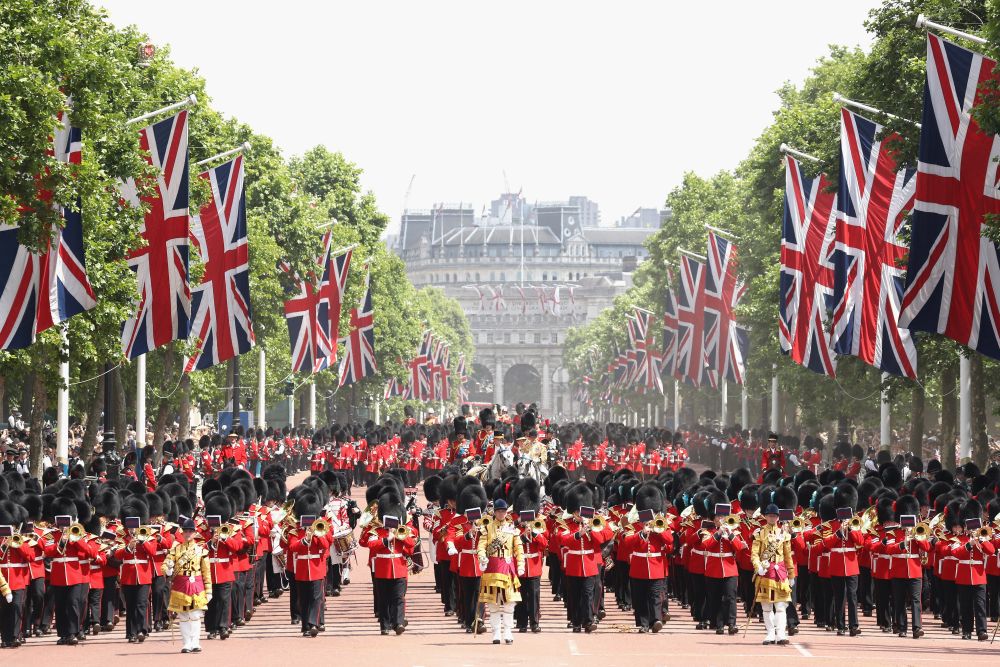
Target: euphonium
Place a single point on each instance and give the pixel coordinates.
(319, 528)
(922, 531)
(658, 524)
(537, 527)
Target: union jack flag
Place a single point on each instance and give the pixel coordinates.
(648, 359)
(38, 291)
(221, 318)
(872, 204)
(331, 296)
(434, 367)
(496, 297)
(444, 373)
(725, 341)
(463, 379)
(359, 348)
(807, 270)
(669, 329)
(953, 273)
(395, 387)
(524, 299)
(305, 314)
(161, 266)
(419, 378)
(690, 357)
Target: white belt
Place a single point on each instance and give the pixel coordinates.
(970, 562)
(218, 560)
(904, 555)
(134, 561)
(944, 558)
(532, 555)
(388, 555)
(842, 550)
(644, 554)
(308, 556)
(13, 565)
(471, 552)
(724, 554)
(582, 552)
(67, 559)
(39, 559)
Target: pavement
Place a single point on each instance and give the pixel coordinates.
(432, 640)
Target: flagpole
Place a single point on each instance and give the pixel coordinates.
(245, 146)
(261, 388)
(724, 392)
(62, 399)
(774, 398)
(844, 101)
(312, 404)
(923, 22)
(682, 251)
(140, 401)
(785, 148)
(722, 232)
(744, 408)
(885, 415)
(189, 100)
(964, 409)
(677, 404)
(234, 363)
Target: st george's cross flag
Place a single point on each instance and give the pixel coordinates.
(872, 204)
(40, 290)
(953, 272)
(163, 309)
(806, 283)
(220, 306)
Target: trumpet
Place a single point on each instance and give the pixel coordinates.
(798, 524)
(658, 524)
(856, 523)
(223, 532)
(402, 532)
(76, 532)
(921, 531)
(984, 533)
(732, 521)
(598, 523)
(537, 527)
(319, 528)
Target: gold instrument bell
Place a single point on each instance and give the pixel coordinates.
(223, 532)
(984, 533)
(76, 532)
(798, 524)
(598, 523)
(732, 522)
(856, 523)
(319, 528)
(402, 532)
(537, 527)
(658, 524)
(922, 531)
(484, 523)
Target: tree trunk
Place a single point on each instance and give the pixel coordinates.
(949, 413)
(93, 422)
(121, 419)
(980, 443)
(39, 403)
(184, 421)
(918, 399)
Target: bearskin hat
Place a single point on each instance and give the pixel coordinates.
(906, 505)
(971, 509)
(556, 473)
(308, 503)
(827, 508)
(528, 421)
(390, 503)
(107, 503)
(448, 490)
(649, 496)
(62, 506)
(431, 488)
(155, 504)
(180, 506)
(470, 497)
(578, 495)
(135, 506)
(785, 498)
(892, 477)
(713, 498)
(885, 507)
(748, 498)
(845, 495)
(486, 417)
(219, 503)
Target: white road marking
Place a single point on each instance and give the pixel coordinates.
(573, 648)
(803, 650)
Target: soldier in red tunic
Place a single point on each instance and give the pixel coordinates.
(772, 458)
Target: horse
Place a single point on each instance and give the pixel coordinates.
(503, 458)
(529, 467)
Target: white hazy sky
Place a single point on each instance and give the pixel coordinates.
(612, 100)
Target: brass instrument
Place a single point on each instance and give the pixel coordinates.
(658, 524)
(598, 523)
(369, 515)
(319, 528)
(537, 527)
(798, 524)
(732, 522)
(223, 532)
(76, 532)
(985, 533)
(484, 524)
(403, 532)
(922, 531)
(856, 523)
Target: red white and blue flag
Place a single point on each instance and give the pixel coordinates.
(690, 356)
(953, 272)
(40, 290)
(725, 341)
(463, 379)
(161, 266)
(872, 203)
(807, 240)
(220, 306)
(419, 376)
(669, 330)
(306, 316)
(331, 288)
(359, 345)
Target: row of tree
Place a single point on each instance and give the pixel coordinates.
(748, 200)
(60, 50)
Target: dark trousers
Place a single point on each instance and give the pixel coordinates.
(526, 612)
(442, 570)
(237, 594)
(803, 583)
(720, 597)
(622, 582)
(160, 597)
(392, 602)
(92, 616)
(468, 594)
(905, 593)
(845, 593)
(259, 569)
(696, 595)
(993, 596)
(792, 613)
(581, 593)
(48, 607)
(311, 603)
(34, 605)
(69, 609)
(972, 606)
(646, 596)
(333, 578)
(746, 591)
(555, 574)
(949, 603)
(679, 581)
(11, 616)
(109, 601)
(136, 609)
(824, 601)
(273, 575)
(865, 590)
(883, 602)
(217, 616)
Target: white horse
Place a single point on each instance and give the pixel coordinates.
(503, 458)
(529, 467)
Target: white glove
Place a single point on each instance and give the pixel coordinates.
(520, 570)
(762, 570)
(208, 598)
(452, 551)
(483, 562)
(9, 598)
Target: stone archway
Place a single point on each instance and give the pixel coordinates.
(480, 384)
(522, 383)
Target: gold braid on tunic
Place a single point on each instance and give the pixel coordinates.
(773, 545)
(502, 541)
(190, 560)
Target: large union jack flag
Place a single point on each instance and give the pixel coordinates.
(419, 370)
(40, 290)
(953, 273)
(331, 288)
(305, 314)
(161, 266)
(220, 306)
(807, 239)
(359, 348)
(872, 204)
(648, 358)
(690, 356)
(463, 379)
(725, 340)
(669, 329)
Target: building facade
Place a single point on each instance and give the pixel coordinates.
(524, 275)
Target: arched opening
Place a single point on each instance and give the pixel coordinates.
(480, 384)
(522, 383)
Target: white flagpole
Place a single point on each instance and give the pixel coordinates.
(677, 404)
(62, 413)
(744, 408)
(724, 395)
(261, 389)
(885, 433)
(245, 146)
(312, 404)
(922, 22)
(964, 409)
(785, 148)
(844, 101)
(774, 398)
(140, 402)
(191, 99)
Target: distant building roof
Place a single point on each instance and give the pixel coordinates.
(617, 235)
